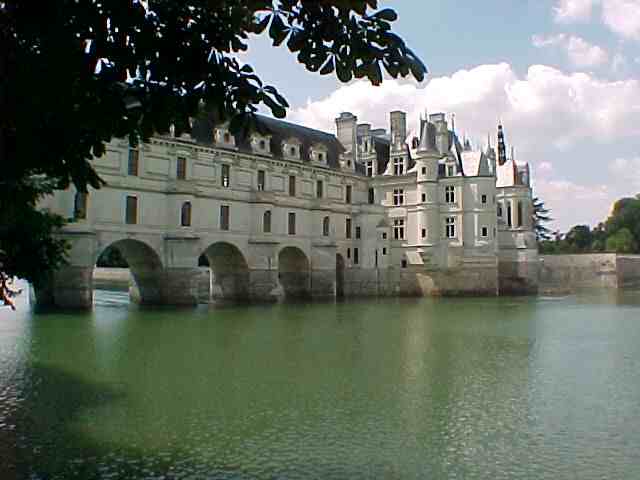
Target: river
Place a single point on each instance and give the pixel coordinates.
(531, 388)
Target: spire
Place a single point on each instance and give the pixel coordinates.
(502, 149)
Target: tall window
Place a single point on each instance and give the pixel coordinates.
(451, 170)
(450, 194)
(500, 209)
(224, 217)
(451, 227)
(424, 197)
(398, 196)
(266, 222)
(347, 192)
(325, 226)
(509, 215)
(398, 166)
(347, 228)
(185, 214)
(520, 216)
(398, 228)
(424, 233)
(292, 186)
(356, 256)
(484, 232)
(484, 199)
(225, 175)
(131, 210)
(134, 160)
(181, 173)
(261, 179)
(292, 223)
(372, 196)
(319, 188)
(358, 233)
(80, 206)
(370, 168)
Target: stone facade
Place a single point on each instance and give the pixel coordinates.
(299, 213)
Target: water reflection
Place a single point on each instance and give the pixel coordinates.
(433, 388)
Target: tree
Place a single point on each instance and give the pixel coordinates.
(622, 242)
(76, 73)
(540, 216)
(579, 239)
(625, 215)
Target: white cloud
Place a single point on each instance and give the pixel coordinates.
(622, 17)
(627, 170)
(569, 11)
(580, 52)
(546, 105)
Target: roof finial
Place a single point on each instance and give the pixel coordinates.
(453, 122)
(488, 139)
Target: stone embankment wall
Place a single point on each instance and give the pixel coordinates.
(566, 273)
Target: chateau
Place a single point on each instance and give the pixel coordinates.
(299, 212)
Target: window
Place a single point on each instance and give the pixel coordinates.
(263, 145)
(292, 151)
(451, 170)
(509, 215)
(372, 196)
(451, 227)
(450, 194)
(292, 186)
(261, 179)
(384, 250)
(227, 138)
(520, 214)
(358, 233)
(424, 233)
(224, 217)
(398, 229)
(347, 228)
(292, 223)
(370, 168)
(185, 214)
(424, 197)
(484, 199)
(319, 188)
(181, 173)
(424, 170)
(80, 206)
(321, 157)
(266, 222)
(398, 166)
(403, 263)
(348, 190)
(325, 226)
(484, 232)
(131, 210)
(398, 196)
(348, 253)
(134, 160)
(356, 257)
(226, 170)
(500, 209)
(384, 235)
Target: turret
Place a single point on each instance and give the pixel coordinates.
(502, 148)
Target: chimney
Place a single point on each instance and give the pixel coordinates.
(398, 129)
(443, 140)
(346, 129)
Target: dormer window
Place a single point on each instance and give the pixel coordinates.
(292, 151)
(227, 137)
(451, 170)
(260, 144)
(223, 137)
(318, 154)
(263, 144)
(291, 148)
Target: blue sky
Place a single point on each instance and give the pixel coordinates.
(561, 74)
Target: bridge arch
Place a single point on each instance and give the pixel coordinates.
(294, 273)
(145, 265)
(229, 272)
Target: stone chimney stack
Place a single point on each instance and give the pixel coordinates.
(443, 139)
(346, 129)
(398, 129)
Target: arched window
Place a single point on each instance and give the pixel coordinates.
(185, 214)
(266, 222)
(80, 206)
(263, 145)
(227, 137)
(325, 226)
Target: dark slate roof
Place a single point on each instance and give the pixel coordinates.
(202, 132)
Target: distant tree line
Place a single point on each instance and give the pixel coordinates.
(620, 233)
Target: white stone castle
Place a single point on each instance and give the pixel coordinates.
(301, 212)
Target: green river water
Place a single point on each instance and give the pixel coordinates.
(532, 388)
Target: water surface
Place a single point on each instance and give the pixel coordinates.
(535, 388)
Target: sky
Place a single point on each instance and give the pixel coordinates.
(561, 75)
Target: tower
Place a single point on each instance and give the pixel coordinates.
(502, 148)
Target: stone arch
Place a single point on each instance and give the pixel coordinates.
(339, 276)
(146, 270)
(294, 273)
(229, 272)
